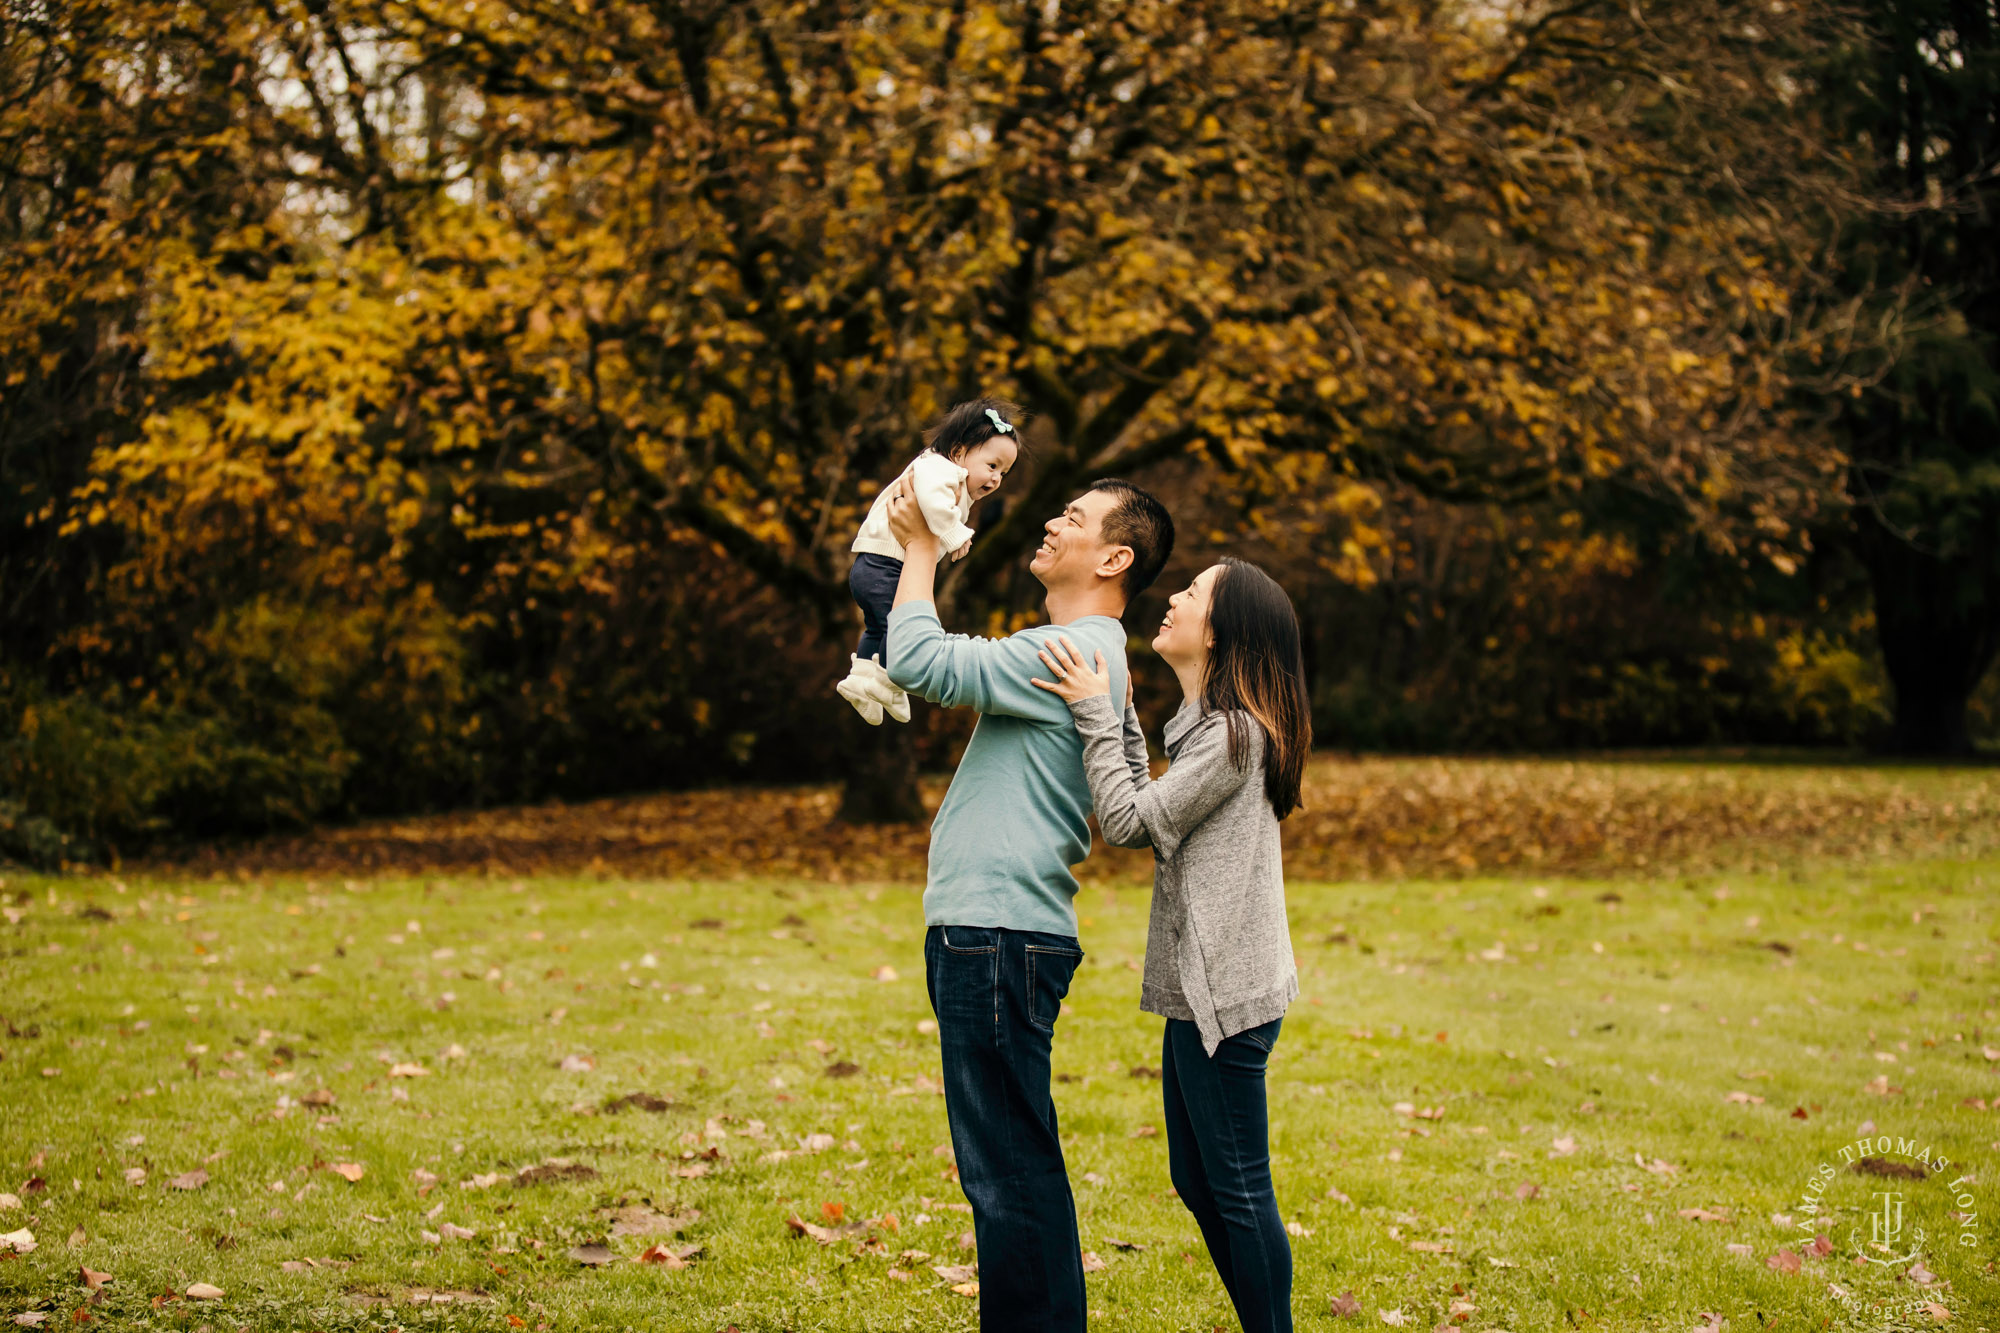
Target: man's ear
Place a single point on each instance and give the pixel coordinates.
(1116, 561)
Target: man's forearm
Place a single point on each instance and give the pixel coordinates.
(919, 580)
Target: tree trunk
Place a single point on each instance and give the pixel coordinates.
(882, 777)
(1939, 632)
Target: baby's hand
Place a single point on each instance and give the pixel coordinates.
(964, 549)
(1074, 680)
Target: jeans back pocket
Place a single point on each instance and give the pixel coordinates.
(1049, 974)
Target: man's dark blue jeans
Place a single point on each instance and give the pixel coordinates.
(996, 994)
(1219, 1151)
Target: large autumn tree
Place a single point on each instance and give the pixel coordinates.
(416, 334)
(1318, 247)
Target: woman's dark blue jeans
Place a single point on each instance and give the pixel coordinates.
(1218, 1147)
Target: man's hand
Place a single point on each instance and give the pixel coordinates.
(906, 519)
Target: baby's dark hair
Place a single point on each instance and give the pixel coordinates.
(966, 426)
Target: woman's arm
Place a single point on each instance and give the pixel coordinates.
(1136, 812)
(1136, 757)
(1113, 785)
(1157, 813)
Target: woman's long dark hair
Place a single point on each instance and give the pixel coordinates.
(1255, 668)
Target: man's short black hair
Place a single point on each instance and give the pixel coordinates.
(1140, 521)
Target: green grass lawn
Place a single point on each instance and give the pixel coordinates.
(1579, 1066)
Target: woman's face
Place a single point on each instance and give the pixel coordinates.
(987, 464)
(1184, 639)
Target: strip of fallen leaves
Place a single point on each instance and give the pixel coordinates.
(1363, 818)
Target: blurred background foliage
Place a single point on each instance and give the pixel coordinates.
(415, 405)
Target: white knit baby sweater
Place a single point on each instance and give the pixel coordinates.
(941, 495)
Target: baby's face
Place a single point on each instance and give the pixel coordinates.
(987, 465)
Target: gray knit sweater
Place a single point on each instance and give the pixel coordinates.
(1218, 948)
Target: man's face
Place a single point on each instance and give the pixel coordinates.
(1073, 548)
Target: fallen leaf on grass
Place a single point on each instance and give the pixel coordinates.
(956, 1272)
(824, 1235)
(966, 1289)
(842, 1069)
(1117, 1244)
(642, 1220)
(192, 1180)
(1393, 1318)
(318, 1097)
(408, 1070)
(1702, 1215)
(9, 1201)
(204, 1291)
(1527, 1189)
(1432, 1246)
(577, 1064)
(312, 1265)
(348, 1171)
(1562, 1147)
(670, 1256)
(1784, 1261)
(1093, 1264)
(1145, 1132)
(1935, 1311)
(135, 1176)
(31, 1318)
(450, 1232)
(20, 1242)
(91, 1278)
(1739, 1249)
(1296, 1228)
(1346, 1306)
(593, 1256)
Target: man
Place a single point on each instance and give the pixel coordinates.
(1001, 943)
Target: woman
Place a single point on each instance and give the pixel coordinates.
(1218, 950)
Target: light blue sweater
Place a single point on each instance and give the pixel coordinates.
(1014, 821)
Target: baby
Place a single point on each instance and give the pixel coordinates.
(967, 454)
